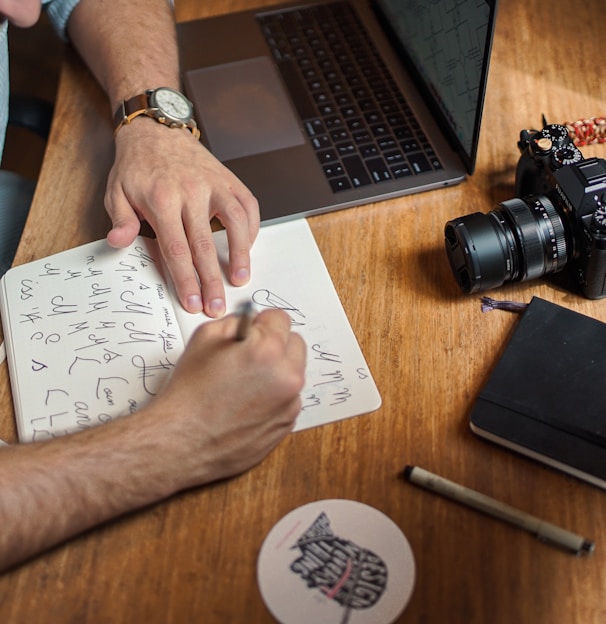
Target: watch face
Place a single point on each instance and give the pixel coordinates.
(172, 104)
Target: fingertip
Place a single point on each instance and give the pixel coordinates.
(193, 304)
(215, 308)
(240, 276)
(122, 235)
(119, 238)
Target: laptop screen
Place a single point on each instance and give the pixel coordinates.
(446, 44)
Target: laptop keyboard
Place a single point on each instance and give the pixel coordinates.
(357, 119)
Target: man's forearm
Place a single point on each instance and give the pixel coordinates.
(129, 45)
(53, 491)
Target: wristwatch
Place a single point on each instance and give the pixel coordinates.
(164, 104)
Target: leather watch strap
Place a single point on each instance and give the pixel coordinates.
(139, 105)
(129, 109)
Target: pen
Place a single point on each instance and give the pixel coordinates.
(543, 530)
(245, 312)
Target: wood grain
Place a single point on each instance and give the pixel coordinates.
(193, 558)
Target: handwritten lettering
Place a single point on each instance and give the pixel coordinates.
(142, 256)
(51, 392)
(72, 274)
(168, 340)
(48, 339)
(98, 291)
(78, 359)
(27, 288)
(132, 306)
(31, 317)
(94, 341)
(93, 272)
(266, 299)
(106, 325)
(148, 372)
(58, 307)
(309, 401)
(108, 355)
(104, 385)
(137, 335)
(330, 378)
(95, 306)
(78, 327)
(324, 355)
(126, 267)
(341, 396)
(49, 270)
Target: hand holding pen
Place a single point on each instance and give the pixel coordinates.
(234, 394)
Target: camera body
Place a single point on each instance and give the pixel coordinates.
(556, 220)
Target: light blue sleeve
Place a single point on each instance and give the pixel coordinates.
(58, 13)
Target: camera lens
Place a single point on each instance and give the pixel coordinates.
(521, 239)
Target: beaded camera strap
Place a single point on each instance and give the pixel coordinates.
(587, 131)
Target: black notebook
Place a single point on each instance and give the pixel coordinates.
(546, 396)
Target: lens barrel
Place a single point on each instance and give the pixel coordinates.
(521, 239)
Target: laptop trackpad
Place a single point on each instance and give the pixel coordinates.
(243, 108)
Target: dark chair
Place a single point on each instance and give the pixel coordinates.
(16, 192)
(32, 113)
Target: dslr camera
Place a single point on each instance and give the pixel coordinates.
(556, 220)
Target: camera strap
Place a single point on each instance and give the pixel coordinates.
(587, 131)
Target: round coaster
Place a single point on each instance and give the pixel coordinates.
(336, 561)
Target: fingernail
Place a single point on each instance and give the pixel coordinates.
(242, 275)
(194, 303)
(216, 307)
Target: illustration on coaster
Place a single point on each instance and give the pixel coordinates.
(336, 561)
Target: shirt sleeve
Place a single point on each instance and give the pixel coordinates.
(58, 13)
(60, 10)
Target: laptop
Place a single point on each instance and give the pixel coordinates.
(332, 104)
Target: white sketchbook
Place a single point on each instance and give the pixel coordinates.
(91, 333)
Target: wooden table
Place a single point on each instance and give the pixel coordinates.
(193, 558)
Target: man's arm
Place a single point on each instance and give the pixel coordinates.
(226, 406)
(163, 175)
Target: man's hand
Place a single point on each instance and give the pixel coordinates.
(168, 178)
(230, 402)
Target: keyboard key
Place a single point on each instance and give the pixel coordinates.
(378, 170)
(356, 171)
(339, 184)
(314, 127)
(401, 171)
(334, 170)
(339, 135)
(410, 146)
(394, 158)
(346, 149)
(419, 163)
(321, 142)
(369, 151)
(386, 143)
(327, 156)
(362, 136)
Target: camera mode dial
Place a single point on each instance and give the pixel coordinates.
(556, 133)
(567, 155)
(598, 220)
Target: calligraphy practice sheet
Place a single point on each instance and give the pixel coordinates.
(93, 332)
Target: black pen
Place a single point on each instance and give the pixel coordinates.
(543, 530)
(245, 312)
